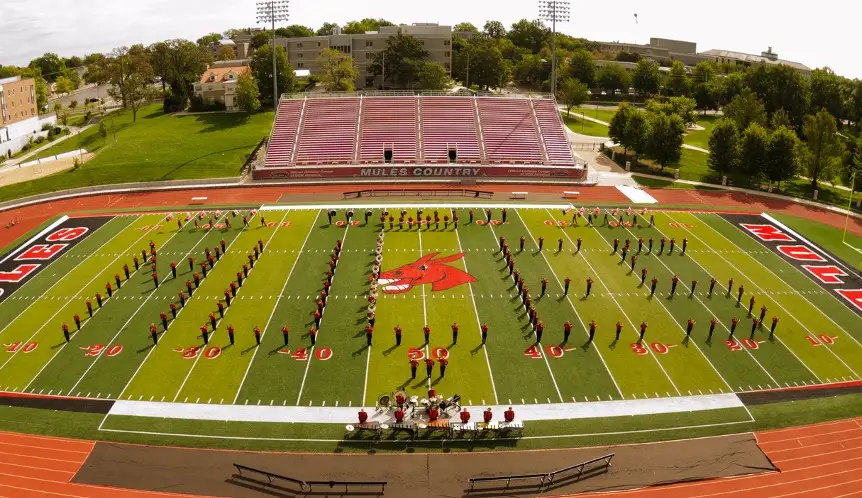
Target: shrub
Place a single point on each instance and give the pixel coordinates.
(73, 104)
(39, 140)
(46, 127)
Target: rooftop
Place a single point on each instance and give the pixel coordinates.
(214, 74)
(754, 59)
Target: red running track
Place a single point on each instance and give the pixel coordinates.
(823, 460)
(38, 466)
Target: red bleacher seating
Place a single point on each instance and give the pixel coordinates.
(280, 150)
(418, 129)
(328, 131)
(509, 131)
(388, 123)
(555, 139)
(449, 122)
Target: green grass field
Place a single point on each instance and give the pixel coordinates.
(156, 147)
(113, 357)
(584, 126)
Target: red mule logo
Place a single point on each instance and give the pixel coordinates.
(425, 270)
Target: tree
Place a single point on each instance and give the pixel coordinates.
(729, 87)
(531, 71)
(327, 29)
(724, 147)
(488, 67)
(823, 147)
(295, 31)
(637, 132)
(674, 106)
(103, 131)
(613, 77)
(852, 171)
(854, 103)
(260, 38)
(826, 92)
(63, 85)
(159, 61)
(247, 93)
(619, 123)
(678, 82)
(73, 62)
(780, 87)
(367, 24)
(433, 76)
(781, 155)
(646, 78)
(572, 93)
(780, 118)
(49, 66)
(41, 93)
(73, 104)
(226, 53)
(338, 71)
(403, 55)
(465, 27)
(532, 35)
(745, 109)
(186, 62)
(664, 139)
(494, 29)
(752, 151)
(623, 56)
(58, 107)
(582, 67)
(261, 68)
(207, 40)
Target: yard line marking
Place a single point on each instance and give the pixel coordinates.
(135, 314)
(36, 298)
(686, 288)
(479, 324)
(754, 283)
(81, 289)
(628, 319)
(311, 351)
(424, 306)
(544, 357)
(198, 357)
(797, 292)
(272, 313)
(173, 321)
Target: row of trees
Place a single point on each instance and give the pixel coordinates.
(655, 135)
(777, 154)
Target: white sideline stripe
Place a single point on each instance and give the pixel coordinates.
(35, 238)
(414, 205)
(346, 415)
(636, 195)
(852, 247)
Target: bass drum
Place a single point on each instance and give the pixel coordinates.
(384, 401)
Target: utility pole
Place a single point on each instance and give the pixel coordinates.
(269, 12)
(554, 11)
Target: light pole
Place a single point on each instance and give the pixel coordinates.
(270, 12)
(554, 11)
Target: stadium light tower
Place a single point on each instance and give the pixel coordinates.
(270, 12)
(554, 11)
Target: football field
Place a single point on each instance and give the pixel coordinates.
(431, 275)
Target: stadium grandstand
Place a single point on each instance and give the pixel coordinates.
(422, 134)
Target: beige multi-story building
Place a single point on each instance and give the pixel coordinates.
(17, 100)
(303, 52)
(218, 83)
(741, 59)
(661, 50)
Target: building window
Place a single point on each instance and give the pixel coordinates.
(299, 45)
(300, 55)
(369, 55)
(369, 43)
(446, 54)
(318, 44)
(299, 65)
(446, 43)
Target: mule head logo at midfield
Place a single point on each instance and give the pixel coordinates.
(425, 270)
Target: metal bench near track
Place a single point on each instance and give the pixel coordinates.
(546, 479)
(307, 484)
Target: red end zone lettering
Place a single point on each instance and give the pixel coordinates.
(67, 234)
(800, 253)
(41, 252)
(852, 295)
(18, 274)
(767, 232)
(826, 274)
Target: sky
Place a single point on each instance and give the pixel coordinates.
(815, 37)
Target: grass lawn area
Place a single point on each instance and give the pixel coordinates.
(801, 187)
(157, 146)
(600, 113)
(700, 138)
(585, 127)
